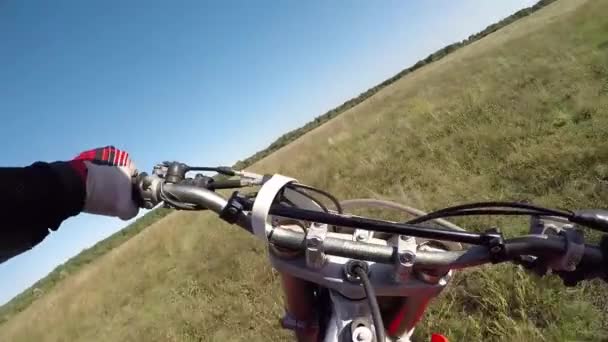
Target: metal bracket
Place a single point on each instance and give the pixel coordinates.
(406, 256)
(547, 225)
(332, 275)
(362, 235)
(492, 238)
(315, 251)
(347, 316)
(575, 241)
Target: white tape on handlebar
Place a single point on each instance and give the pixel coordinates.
(260, 221)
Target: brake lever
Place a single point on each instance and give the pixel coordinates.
(593, 218)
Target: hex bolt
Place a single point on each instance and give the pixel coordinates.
(313, 242)
(362, 334)
(407, 258)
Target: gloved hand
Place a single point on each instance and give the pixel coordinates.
(107, 173)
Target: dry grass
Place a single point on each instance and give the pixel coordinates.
(520, 114)
(178, 281)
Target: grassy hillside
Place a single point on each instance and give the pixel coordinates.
(519, 114)
(74, 264)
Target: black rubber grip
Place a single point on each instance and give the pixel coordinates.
(225, 184)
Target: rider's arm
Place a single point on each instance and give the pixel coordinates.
(39, 197)
(34, 199)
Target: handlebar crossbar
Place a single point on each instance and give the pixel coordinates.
(537, 245)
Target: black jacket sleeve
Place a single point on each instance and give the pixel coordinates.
(33, 200)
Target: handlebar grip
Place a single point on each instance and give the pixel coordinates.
(594, 264)
(225, 184)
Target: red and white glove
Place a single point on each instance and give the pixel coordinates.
(107, 172)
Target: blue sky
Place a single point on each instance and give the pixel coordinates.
(202, 82)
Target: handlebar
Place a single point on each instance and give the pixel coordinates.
(201, 196)
(542, 246)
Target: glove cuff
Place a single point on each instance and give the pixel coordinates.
(71, 178)
(80, 168)
(109, 191)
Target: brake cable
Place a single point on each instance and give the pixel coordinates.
(492, 208)
(305, 194)
(361, 273)
(295, 186)
(477, 212)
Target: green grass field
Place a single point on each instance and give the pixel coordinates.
(518, 115)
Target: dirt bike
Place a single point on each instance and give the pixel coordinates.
(353, 278)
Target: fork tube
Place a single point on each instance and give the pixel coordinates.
(300, 315)
(408, 315)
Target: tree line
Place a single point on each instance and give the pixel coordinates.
(318, 121)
